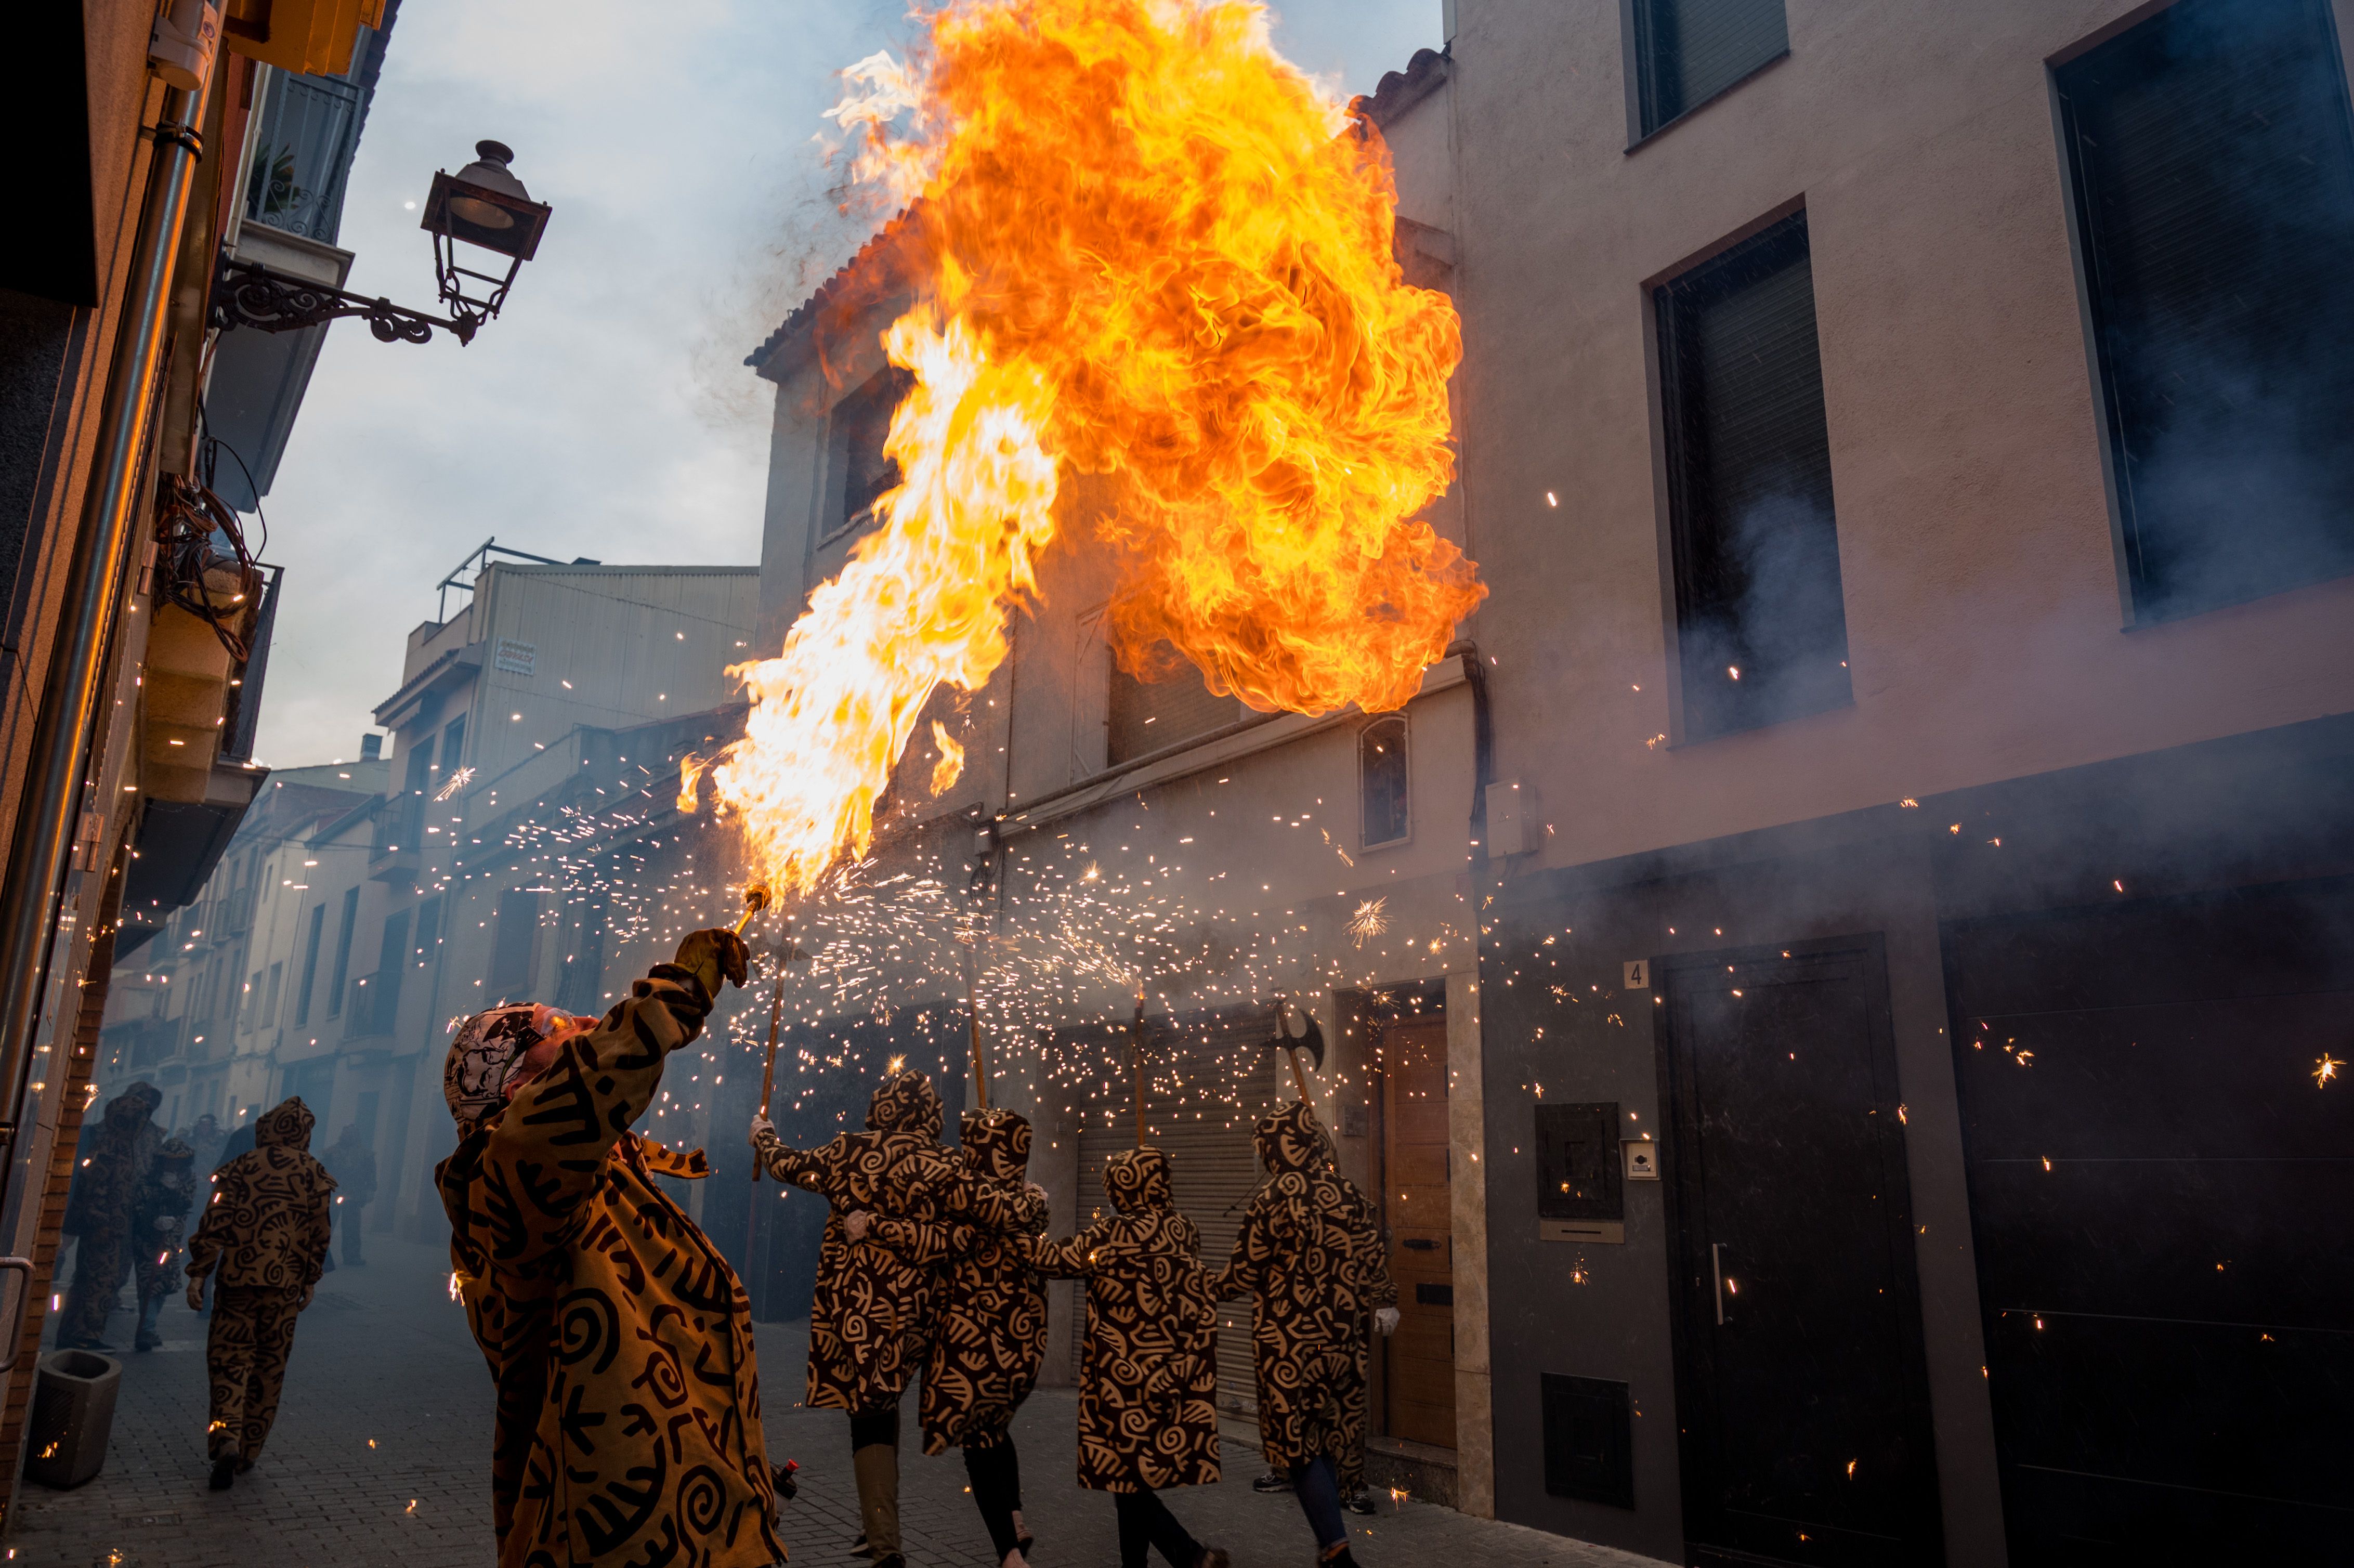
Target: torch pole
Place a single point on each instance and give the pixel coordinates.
(1290, 1052)
(1135, 1060)
(767, 1083)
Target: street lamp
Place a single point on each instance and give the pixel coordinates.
(483, 205)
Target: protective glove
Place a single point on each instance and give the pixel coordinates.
(1386, 1320)
(715, 955)
(197, 1294)
(856, 1223)
(761, 1123)
(1036, 1191)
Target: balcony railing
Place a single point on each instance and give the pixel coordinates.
(302, 155)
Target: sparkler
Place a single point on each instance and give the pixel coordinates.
(1369, 921)
(2326, 1069)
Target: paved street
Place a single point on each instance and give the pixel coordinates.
(377, 1458)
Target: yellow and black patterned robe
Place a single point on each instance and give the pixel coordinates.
(871, 1312)
(266, 1224)
(989, 1332)
(1309, 1255)
(628, 1401)
(1148, 1410)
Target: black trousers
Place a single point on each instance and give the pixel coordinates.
(1145, 1520)
(996, 1473)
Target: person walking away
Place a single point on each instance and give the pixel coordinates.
(870, 1310)
(990, 1335)
(265, 1233)
(1308, 1256)
(352, 1162)
(627, 1425)
(158, 1220)
(206, 1138)
(1148, 1378)
(115, 1157)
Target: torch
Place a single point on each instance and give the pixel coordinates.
(1135, 1060)
(791, 952)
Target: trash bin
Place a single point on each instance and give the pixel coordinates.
(73, 1411)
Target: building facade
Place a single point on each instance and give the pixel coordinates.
(1836, 980)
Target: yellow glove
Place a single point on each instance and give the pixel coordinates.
(713, 956)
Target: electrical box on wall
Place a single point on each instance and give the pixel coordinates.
(1509, 809)
(1579, 1198)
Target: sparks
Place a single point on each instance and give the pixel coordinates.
(1369, 921)
(458, 780)
(2325, 1069)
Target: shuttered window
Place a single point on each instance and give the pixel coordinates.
(2213, 165)
(1688, 51)
(1761, 633)
(1151, 715)
(861, 422)
(1382, 805)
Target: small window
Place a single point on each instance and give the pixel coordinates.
(428, 931)
(2211, 150)
(1761, 635)
(344, 951)
(1155, 714)
(861, 421)
(453, 746)
(1384, 817)
(269, 1003)
(315, 929)
(1688, 51)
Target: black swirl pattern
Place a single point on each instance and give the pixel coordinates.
(1147, 1415)
(619, 1341)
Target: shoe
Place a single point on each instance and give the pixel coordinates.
(224, 1473)
(891, 1559)
(1213, 1557)
(1341, 1559)
(858, 1547)
(1273, 1481)
(1362, 1502)
(243, 1465)
(146, 1341)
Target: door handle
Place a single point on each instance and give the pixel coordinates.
(1716, 1267)
(17, 1319)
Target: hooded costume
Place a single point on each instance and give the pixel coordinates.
(116, 1153)
(1309, 1255)
(265, 1233)
(353, 1164)
(1147, 1415)
(158, 1220)
(870, 1311)
(628, 1426)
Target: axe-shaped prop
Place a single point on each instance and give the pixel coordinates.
(1291, 1041)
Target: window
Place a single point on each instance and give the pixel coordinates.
(1761, 635)
(249, 1003)
(429, 930)
(344, 951)
(1688, 51)
(1382, 782)
(1147, 716)
(2213, 169)
(861, 421)
(269, 1002)
(383, 986)
(316, 927)
(511, 943)
(453, 746)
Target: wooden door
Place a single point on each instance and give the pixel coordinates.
(1801, 1388)
(1418, 1361)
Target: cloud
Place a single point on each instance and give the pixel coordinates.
(606, 413)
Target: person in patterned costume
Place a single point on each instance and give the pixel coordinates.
(870, 1311)
(265, 1231)
(619, 1341)
(1148, 1412)
(990, 1333)
(116, 1153)
(158, 1220)
(1309, 1255)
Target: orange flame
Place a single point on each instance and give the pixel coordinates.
(1151, 252)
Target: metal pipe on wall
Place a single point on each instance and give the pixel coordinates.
(69, 688)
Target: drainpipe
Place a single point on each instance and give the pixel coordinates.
(70, 689)
(1483, 744)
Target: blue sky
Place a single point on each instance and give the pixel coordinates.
(607, 413)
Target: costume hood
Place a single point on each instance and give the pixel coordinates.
(996, 1143)
(175, 1151)
(1291, 1138)
(906, 1102)
(286, 1124)
(1137, 1180)
(133, 1104)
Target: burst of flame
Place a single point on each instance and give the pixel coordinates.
(2326, 1069)
(458, 780)
(1148, 250)
(895, 1065)
(946, 772)
(453, 1285)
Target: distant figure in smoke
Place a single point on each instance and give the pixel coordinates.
(1309, 1257)
(206, 1137)
(115, 1156)
(871, 1312)
(158, 1220)
(265, 1231)
(628, 1426)
(353, 1162)
(989, 1332)
(1148, 1412)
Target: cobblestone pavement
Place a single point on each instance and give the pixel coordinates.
(379, 1457)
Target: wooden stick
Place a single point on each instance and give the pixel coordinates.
(1298, 1078)
(768, 1082)
(1136, 1054)
(755, 898)
(979, 1058)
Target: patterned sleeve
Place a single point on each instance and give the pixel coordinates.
(924, 1241)
(546, 1153)
(1267, 1231)
(824, 1171)
(1007, 1208)
(1073, 1258)
(212, 1238)
(317, 1225)
(1371, 1258)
